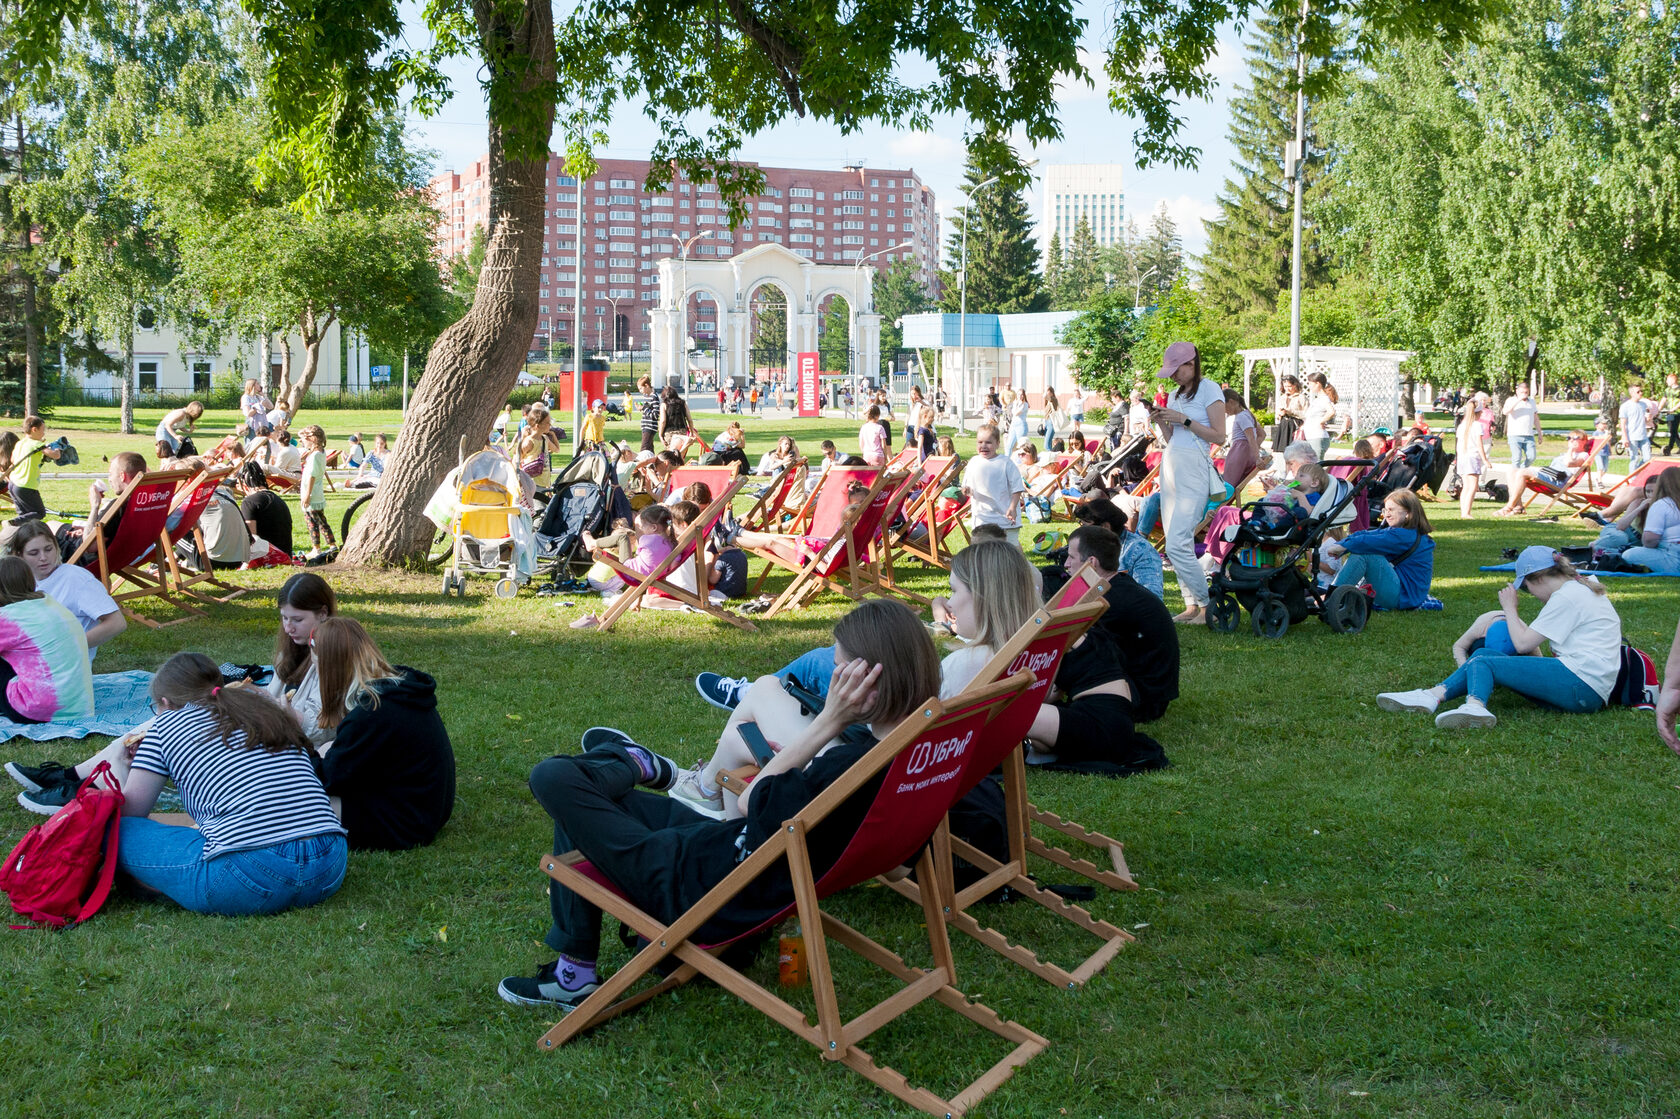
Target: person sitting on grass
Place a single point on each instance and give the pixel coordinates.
(1397, 561)
(388, 768)
(994, 591)
(1138, 557)
(1658, 546)
(76, 589)
(664, 857)
(266, 514)
(1501, 649)
(1137, 621)
(372, 466)
(264, 838)
(45, 676)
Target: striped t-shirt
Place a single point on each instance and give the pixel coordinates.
(241, 799)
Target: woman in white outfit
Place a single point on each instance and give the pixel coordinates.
(1190, 425)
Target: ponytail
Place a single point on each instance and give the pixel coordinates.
(263, 724)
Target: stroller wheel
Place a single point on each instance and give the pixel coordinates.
(1346, 609)
(1270, 618)
(1224, 613)
(506, 588)
(448, 583)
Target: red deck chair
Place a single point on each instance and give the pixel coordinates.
(1049, 484)
(144, 507)
(856, 561)
(923, 533)
(690, 549)
(1041, 644)
(191, 500)
(772, 505)
(1589, 499)
(1573, 493)
(717, 478)
(914, 772)
(821, 513)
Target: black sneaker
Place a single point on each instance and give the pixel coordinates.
(665, 771)
(721, 691)
(555, 984)
(34, 778)
(50, 800)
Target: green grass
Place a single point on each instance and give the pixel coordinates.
(1343, 912)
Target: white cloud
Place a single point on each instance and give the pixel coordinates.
(928, 151)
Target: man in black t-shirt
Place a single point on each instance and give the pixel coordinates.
(266, 513)
(1142, 629)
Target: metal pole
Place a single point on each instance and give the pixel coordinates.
(405, 384)
(962, 313)
(577, 327)
(1299, 158)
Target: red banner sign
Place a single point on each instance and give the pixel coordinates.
(810, 388)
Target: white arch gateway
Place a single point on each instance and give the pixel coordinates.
(730, 283)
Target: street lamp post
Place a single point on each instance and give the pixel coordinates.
(962, 313)
(857, 277)
(683, 247)
(1297, 157)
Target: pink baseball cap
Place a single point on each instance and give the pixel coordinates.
(1177, 354)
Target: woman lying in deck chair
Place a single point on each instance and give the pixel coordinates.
(664, 857)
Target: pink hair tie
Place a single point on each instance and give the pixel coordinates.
(216, 691)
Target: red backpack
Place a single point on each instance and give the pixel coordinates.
(60, 872)
(1639, 683)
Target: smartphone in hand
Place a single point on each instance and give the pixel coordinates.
(756, 742)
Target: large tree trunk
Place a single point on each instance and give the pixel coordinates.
(265, 372)
(474, 364)
(128, 377)
(283, 386)
(31, 349)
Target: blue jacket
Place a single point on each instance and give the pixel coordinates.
(1415, 572)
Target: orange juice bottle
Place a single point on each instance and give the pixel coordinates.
(790, 958)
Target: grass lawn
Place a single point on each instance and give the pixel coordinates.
(1344, 912)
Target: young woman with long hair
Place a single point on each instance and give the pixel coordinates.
(389, 768)
(1191, 425)
(664, 856)
(265, 838)
(305, 601)
(44, 670)
(1397, 561)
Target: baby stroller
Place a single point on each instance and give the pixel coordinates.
(492, 533)
(585, 498)
(1273, 573)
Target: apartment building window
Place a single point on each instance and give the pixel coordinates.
(623, 184)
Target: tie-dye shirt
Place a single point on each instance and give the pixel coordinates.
(46, 648)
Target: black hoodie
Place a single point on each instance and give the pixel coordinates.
(392, 767)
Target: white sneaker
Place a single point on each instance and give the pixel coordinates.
(1422, 701)
(687, 789)
(1472, 714)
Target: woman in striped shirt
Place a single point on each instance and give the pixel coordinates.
(266, 838)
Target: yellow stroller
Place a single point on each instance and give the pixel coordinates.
(493, 533)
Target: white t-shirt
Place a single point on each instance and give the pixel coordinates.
(959, 669)
(1137, 418)
(1662, 518)
(1180, 439)
(1585, 634)
(1520, 415)
(80, 592)
(1319, 411)
(992, 484)
(1633, 419)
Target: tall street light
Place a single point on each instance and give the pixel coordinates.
(857, 278)
(1293, 161)
(682, 335)
(962, 312)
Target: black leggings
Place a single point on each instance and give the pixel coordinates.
(1096, 735)
(1673, 432)
(28, 501)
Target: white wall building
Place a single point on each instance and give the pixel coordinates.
(1094, 191)
(166, 363)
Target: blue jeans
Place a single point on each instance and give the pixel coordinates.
(1522, 450)
(1665, 558)
(292, 875)
(1639, 453)
(811, 671)
(1149, 515)
(1375, 570)
(1545, 680)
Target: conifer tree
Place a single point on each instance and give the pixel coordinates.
(1053, 259)
(1003, 274)
(1082, 270)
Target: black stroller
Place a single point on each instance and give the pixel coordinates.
(1273, 574)
(584, 497)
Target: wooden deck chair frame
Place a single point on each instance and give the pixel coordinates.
(1049, 485)
(1042, 642)
(877, 846)
(826, 501)
(923, 510)
(1567, 493)
(690, 549)
(136, 541)
(857, 561)
(184, 582)
(767, 512)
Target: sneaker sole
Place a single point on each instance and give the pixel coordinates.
(567, 1005)
(705, 808)
(1454, 720)
(39, 809)
(16, 774)
(1395, 705)
(617, 736)
(710, 700)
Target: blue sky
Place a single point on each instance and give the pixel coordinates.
(1092, 133)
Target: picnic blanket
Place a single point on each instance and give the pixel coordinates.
(1512, 567)
(121, 702)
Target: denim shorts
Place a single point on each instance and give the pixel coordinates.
(170, 860)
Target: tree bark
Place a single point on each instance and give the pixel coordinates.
(265, 372)
(474, 364)
(312, 333)
(128, 376)
(31, 349)
(283, 386)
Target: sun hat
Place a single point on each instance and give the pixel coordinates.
(1177, 354)
(1533, 559)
